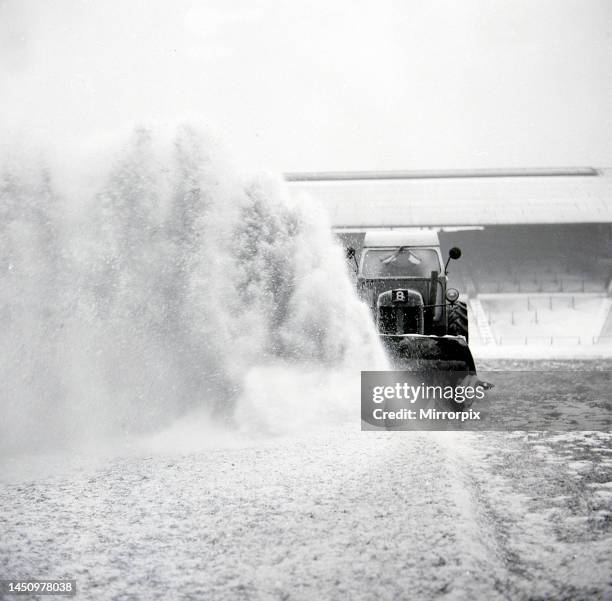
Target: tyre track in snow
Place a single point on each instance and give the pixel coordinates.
(546, 501)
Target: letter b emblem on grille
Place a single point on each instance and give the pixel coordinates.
(399, 296)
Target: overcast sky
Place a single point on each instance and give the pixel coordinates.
(324, 84)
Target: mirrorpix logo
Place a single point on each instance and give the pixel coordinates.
(413, 400)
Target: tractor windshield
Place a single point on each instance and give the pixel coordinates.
(402, 262)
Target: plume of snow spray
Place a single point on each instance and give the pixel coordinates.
(164, 289)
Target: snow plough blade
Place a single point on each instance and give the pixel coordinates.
(415, 352)
(435, 360)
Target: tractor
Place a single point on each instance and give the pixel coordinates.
(402, 277)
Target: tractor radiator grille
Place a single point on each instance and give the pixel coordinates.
(398, 320)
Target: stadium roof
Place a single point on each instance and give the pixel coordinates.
(459, 197)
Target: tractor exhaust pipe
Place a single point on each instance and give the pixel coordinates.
(433, 293)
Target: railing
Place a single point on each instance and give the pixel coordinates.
(552, 340)
(533, 309)
(532, 314)
(559, 285)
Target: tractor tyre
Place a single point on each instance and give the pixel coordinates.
(458, 320)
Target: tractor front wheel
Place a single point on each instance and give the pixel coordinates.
(458, 320)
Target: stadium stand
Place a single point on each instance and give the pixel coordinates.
(537, 244)
(537, 284)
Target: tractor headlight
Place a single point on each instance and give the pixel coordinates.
(452, 294)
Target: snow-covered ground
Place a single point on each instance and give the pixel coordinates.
(332, 514)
